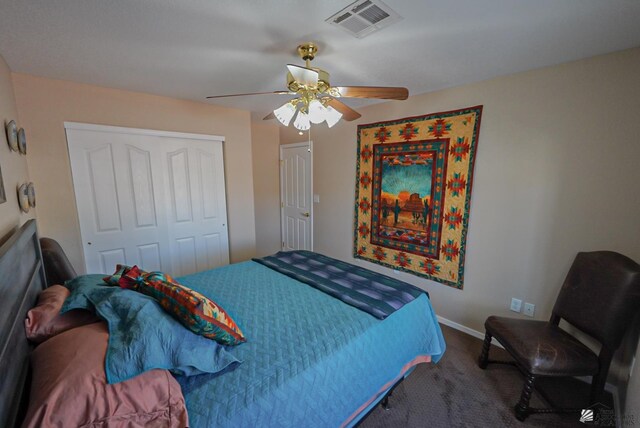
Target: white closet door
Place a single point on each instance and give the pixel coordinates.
(148, 198)
(120, 200)
(196, 194)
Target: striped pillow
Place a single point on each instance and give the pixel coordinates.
(198, 313)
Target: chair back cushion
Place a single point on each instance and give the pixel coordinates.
(600, 295)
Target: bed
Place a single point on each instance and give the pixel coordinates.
(310, 359)
(21, 279)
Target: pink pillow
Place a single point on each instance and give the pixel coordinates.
(69, 387)
(44, 320)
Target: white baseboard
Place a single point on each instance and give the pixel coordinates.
(587, 379)
(465, 329)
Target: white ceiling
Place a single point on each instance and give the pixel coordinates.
(194, 48)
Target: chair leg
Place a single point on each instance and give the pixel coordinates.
(599, 380)
(484, 355)
(522, 408)
(597, 387)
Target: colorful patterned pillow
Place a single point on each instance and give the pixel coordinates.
(115, 278)
(131, 278)
(198, 313)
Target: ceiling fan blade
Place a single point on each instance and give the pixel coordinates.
(303, 75)
(382, 92)
(250, 93)
(269, 116)
(348, 113)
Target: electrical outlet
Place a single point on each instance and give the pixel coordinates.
(515, 304)
(529, 309)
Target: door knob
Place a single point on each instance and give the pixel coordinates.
(306, 214)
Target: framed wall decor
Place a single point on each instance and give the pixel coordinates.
(413, 193)
(23, 198)
(12, 135)
(3, 195)
(22, 141)
(31, 195)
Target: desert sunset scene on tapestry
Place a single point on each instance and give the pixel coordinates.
(405, 195)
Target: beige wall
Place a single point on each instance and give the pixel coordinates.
(265, 140)
(45, 104)
(12, 164)
(556, 173)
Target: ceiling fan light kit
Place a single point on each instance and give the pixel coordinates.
(316, 100)
(302, 121)
(333, 116)
(285, 113)
(317, 112)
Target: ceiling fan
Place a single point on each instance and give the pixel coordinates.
(315, 100)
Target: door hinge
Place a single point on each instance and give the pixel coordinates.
(281, 204)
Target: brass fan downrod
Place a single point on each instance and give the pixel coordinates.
(307, 51)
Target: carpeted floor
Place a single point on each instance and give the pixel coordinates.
(456, 393)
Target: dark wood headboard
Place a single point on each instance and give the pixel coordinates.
(21, 279)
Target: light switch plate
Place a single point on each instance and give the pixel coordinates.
(516, 304)
(316, 198)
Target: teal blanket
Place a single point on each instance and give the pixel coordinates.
(310, 360)
(142, 336)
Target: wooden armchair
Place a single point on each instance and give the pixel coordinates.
(600, 297)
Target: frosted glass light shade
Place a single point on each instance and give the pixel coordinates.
(285, 113)
(332, 116)
(302, 121)
(317, 112)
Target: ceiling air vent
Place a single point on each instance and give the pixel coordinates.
(364, 17)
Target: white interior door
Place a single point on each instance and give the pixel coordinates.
(296, 172)
(149, 198)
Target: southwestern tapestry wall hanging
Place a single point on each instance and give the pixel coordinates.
(413, 190)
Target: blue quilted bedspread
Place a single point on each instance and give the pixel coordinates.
(310, 359)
